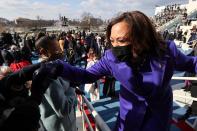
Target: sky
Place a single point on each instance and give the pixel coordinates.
(73, 9)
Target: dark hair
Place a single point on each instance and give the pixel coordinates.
(7, 57)
(39, 35)
(62, 35)
(43, 42)
(46, 43)
(143, 35)
(17, 56)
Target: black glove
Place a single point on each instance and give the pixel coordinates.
(54, 69)
(10, 83)
(27, 72)
(41, 80)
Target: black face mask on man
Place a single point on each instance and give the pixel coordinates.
(122, 53)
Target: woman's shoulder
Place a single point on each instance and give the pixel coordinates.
(172, 48)
(171, 44)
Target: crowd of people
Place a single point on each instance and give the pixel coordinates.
(41, 94)
(18, 52)
(190, 86)
(170, 12)
(179, 35)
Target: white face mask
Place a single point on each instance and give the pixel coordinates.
(21, 44)
(43, 58)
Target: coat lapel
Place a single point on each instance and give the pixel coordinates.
(162, 72)
(158, 68)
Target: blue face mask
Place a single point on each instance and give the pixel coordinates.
(122, 53)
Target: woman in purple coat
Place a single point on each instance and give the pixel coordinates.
(144, 65)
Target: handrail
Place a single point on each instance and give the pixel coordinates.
(87, 120)
(84, 115)
(175, 20)
(193, 12)
(99, 121)
(184, 78)
(194, 126)
(186, 97)
(100, 124)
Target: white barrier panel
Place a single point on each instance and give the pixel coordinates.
(185, 78)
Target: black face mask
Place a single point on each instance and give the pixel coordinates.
(122, 53)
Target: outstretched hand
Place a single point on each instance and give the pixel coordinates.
(40, 83)
(54, 69)
(42, 79)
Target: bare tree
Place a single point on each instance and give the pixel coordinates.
(86, 16)
(88, 21)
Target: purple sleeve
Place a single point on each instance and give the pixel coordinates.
(79, 75)
(183, 62)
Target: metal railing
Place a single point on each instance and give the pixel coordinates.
(185, 78)
(192, 13)
(170, 24)
(100, 124)
(194, 126)
(176, 20)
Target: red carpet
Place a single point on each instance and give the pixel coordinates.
(182, 125)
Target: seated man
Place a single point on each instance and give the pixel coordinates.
(193, 35)
(58, 105)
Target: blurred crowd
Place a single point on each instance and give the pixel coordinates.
(51, 104)
(170, 12)
(187, 36)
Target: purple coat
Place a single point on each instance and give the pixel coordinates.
(148, 108)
